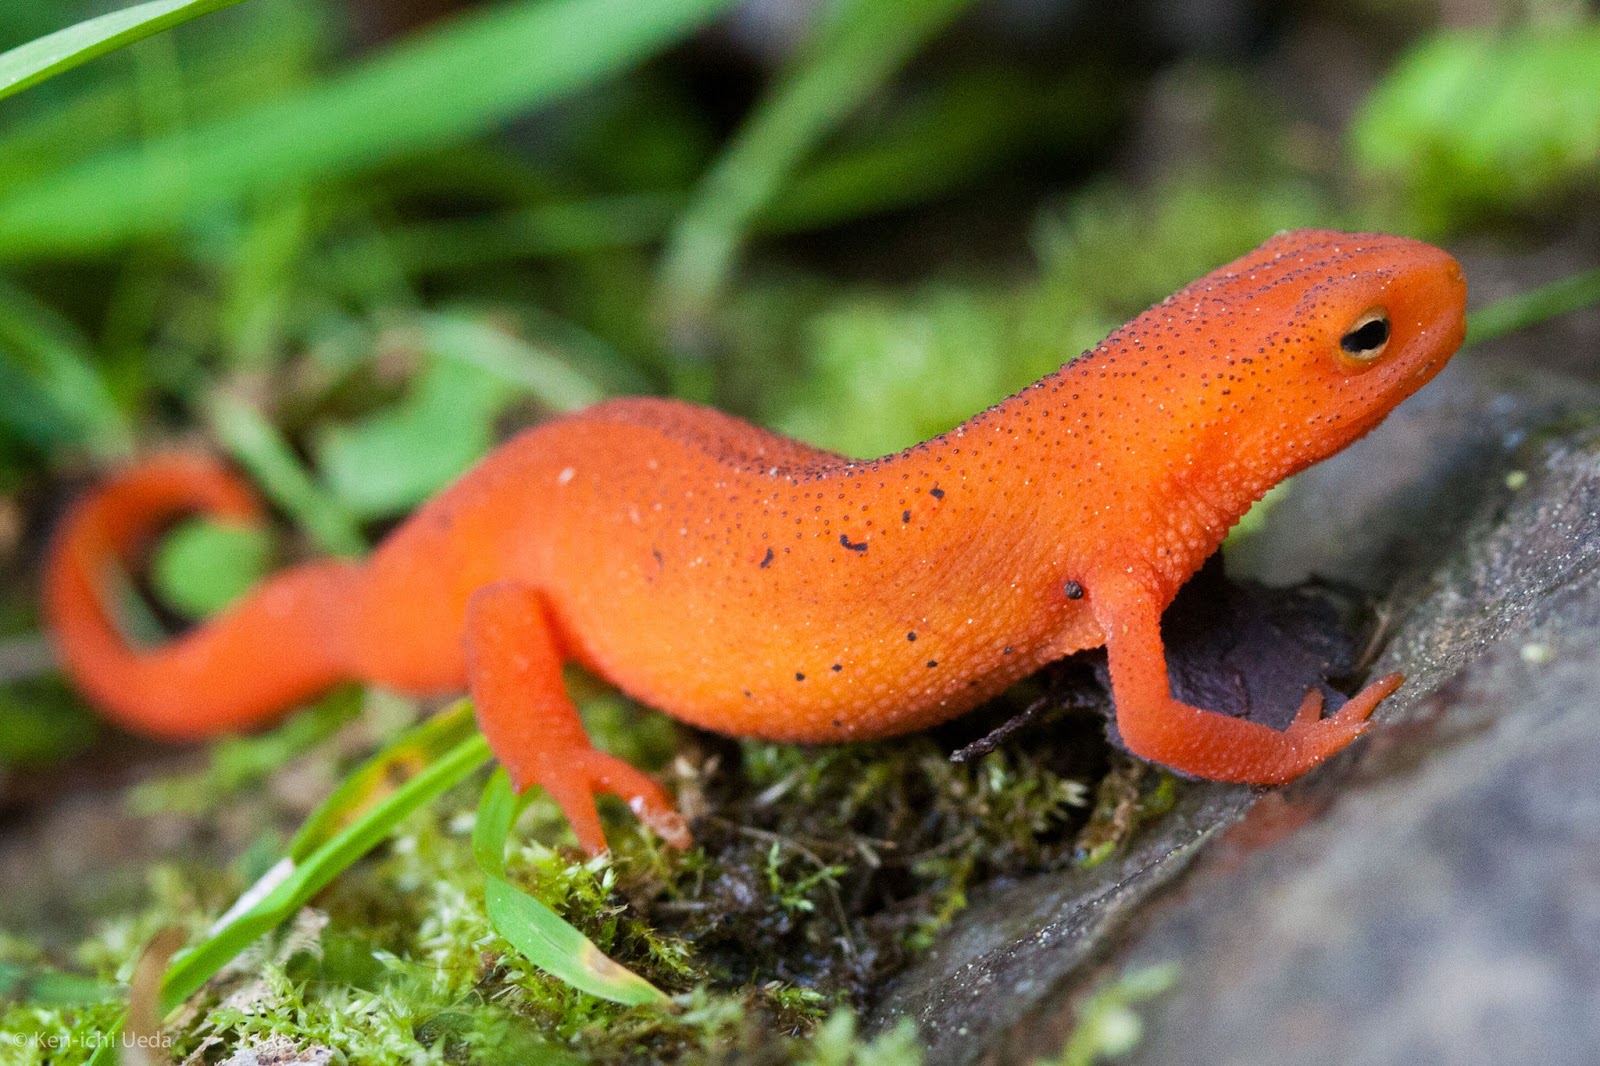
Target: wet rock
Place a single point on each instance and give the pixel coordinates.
(1446, 906)
(1430, 895)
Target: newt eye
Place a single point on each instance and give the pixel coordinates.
(1367, 336)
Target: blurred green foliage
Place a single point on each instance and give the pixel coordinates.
(354, 254)
(437, 90)
(855, 47)
(1476, 121)
(202, 566)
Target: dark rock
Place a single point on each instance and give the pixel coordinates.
(1445, 906)
(1428, 896)
(1241, 648)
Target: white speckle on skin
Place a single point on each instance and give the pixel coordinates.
(566, 475)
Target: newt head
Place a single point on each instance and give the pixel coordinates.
(1285, 356)
(1256, 371)
(1386, 317)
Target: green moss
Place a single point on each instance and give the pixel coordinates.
(1132, 793)
(1108, 1026)
(818, 874)
(1474, 122)
(53, 1036)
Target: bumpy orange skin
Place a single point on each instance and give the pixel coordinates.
(753, 585)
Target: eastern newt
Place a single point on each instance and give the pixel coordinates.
(756, 586)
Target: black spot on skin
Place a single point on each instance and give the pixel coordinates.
(1073, 590)
(1006, 650)
(661, 562)
(799, 677)
(837, 667)
(844, 539)
(766, 562)
(905, 516)
(932, 663)
(747, 695)
(838, 724)
(911, 636)
(937, 493)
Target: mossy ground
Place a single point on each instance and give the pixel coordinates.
(816, 874)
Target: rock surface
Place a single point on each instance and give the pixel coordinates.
(1432, 895)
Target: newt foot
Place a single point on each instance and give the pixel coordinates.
(572, 778)
(1312, 738)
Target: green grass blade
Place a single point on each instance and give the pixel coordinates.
(435, 90)
(541, 935)
(106, 1053)
(44, 987)
(356, 794)
(1529, 308)
(547, 941)
(42, 354)
(290, 884)
(950, 135)
(261, 449)
(530, 368)
(852, 55)
(497, 812)
(553, 230)
(28, 64)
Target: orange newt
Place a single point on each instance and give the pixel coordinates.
(756, 586)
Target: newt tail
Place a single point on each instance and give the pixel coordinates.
(280, 645)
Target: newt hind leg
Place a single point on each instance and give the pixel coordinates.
(514, 675)
(1205, 743)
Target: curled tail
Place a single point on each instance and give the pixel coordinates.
(279, 645)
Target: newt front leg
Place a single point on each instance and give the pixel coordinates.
(514, 675)
(1195, 741)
